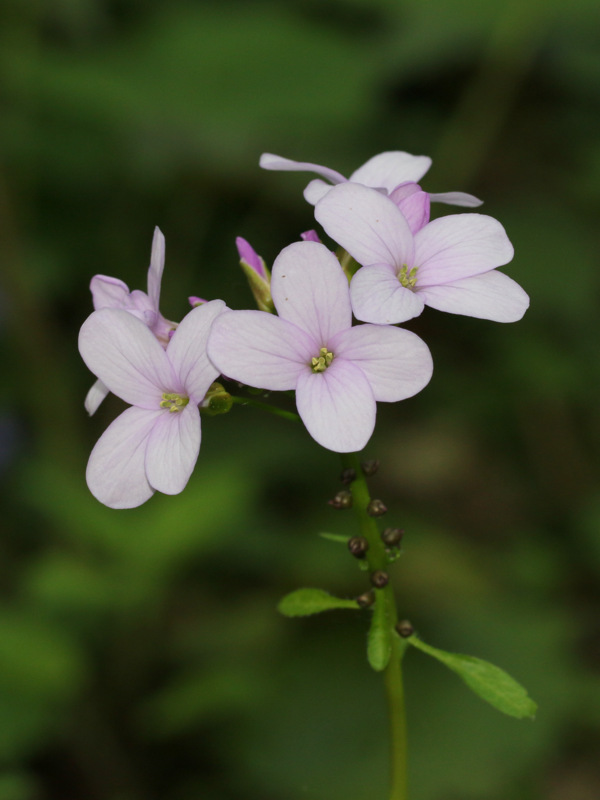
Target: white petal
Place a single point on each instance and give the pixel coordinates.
(316, 190)
(492, 295)
(397, 363)
(459, 246)
(187, 349)
(310, 290)
(378, 296)
(270, 161)
(367, 224)
(337, 406)
(109, 292)
(389, 169)
(121, 351)
(456, 199)
(94, 397)
(116, 474)
(157, 264)
(173, 449)
(260, 349)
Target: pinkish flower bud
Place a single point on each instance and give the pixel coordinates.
(257, 274)
(310, 236)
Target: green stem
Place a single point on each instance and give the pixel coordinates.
(385, 599)
(278, 412)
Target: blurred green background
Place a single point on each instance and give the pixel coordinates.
(141, 655)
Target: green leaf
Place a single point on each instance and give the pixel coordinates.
(379, 644)
(304, 602)
(488, 681)
(336, 537)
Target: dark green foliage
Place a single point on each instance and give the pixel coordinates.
(141, 653)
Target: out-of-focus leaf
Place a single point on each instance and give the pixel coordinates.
(491, 683)
(304, 602)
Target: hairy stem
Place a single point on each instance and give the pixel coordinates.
(377, 560)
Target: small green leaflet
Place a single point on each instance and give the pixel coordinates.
(379, 643)
(304, 602)
(335, 537)
(489, 682)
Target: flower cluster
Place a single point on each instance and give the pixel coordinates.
(302, 337)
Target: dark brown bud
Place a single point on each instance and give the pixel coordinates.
(342, 499)
(347, 476)
(370, 467)
(358, 546)
(404, 629)
(392, 536)
(376, 508)
(365, 600)
(379, 579)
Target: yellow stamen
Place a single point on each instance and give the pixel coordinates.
(408, 278)
(322, 361)
(174, 402)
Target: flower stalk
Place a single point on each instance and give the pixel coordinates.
(385, 606)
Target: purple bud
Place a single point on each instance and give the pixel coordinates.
(310, 236)
(248, 254)
(196, 301)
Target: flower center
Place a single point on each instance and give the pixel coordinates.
(174, 402)
(408, 278)
(322, 361)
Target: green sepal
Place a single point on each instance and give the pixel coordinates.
(260, 287)
(491, 683)
(304, 602)
(340, 538)
(348, 264)
(216, 401)
(379, 642)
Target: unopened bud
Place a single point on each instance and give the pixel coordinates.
(392, 536)
(379, 579)
(216, 401)
(370, 467)
(347, 476)
(376, 508)
(365, 600)
(404, 629)
(259, 277)
(358, 546)
(341, 500)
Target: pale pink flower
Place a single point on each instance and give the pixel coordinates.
(384, 172)
(448, 264)
(110, 292)
(339, 372)
(154, 445)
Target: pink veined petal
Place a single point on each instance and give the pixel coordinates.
(109, 292)
(120, 350)
(456, 199)
(94, 397)
(316, 190)
(459, 246)
(414, 205)
(116, 474)
(378, 296)
(172, 450)
(337, 406)
(397, 363)
(310, 289)
(389, 169)
(367, 224)
(187, 350)
(157, 265)
(270, 161)
(492, 295)
(260, 349)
